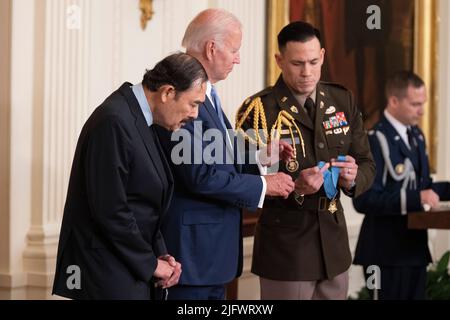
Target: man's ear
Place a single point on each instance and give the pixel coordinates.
(393, 101)
(166, 91)
(278, 59)
(210, 49)
(322, 55)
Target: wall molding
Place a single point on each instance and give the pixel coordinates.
(5, 131)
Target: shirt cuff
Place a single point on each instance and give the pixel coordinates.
(262, 169)
(263, 193)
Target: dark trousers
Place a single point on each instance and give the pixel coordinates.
(401, 283)
(185, 292)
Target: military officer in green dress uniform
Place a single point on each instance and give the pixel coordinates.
(301, 248)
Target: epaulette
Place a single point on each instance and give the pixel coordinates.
(261, 93)
(378, 126)
(336, 85)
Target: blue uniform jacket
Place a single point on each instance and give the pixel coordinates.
(384, 238)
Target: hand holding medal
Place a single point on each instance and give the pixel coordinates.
(330, 180)
(348, 171)
(310, 180)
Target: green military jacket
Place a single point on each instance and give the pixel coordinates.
(306, 242)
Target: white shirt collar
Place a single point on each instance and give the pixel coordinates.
(139, 92)
(398, 126)
(208, 92)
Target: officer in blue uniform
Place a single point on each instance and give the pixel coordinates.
(402, 185)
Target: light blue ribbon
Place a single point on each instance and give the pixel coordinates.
(330, 178)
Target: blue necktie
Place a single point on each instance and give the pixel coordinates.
(218, 107)
(411, 140)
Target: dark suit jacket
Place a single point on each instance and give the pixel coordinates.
(384, 238)
(202, 227)
(120, 186)
(306, 242)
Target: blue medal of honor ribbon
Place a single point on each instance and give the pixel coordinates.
(330, 178)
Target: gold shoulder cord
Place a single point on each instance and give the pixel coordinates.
(257, 114)
(283, 118)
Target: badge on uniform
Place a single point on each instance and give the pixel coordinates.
(336, 124)
(330, 110)
(345, 129)
(294, 109)
(332, 208)
(292, 165)
(400, 168)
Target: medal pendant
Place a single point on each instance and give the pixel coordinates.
(332, 208)
(292, 165)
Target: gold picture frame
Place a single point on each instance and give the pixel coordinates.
(426, 28)
(277, 18)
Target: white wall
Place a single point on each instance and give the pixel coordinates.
(67, 56)
(248, 77)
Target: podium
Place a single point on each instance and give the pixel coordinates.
(434, 219)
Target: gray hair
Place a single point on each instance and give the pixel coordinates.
(210, 24)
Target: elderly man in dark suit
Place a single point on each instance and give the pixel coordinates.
(402, 184)
(121, 185)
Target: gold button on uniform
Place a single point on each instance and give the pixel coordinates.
(321, 145)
